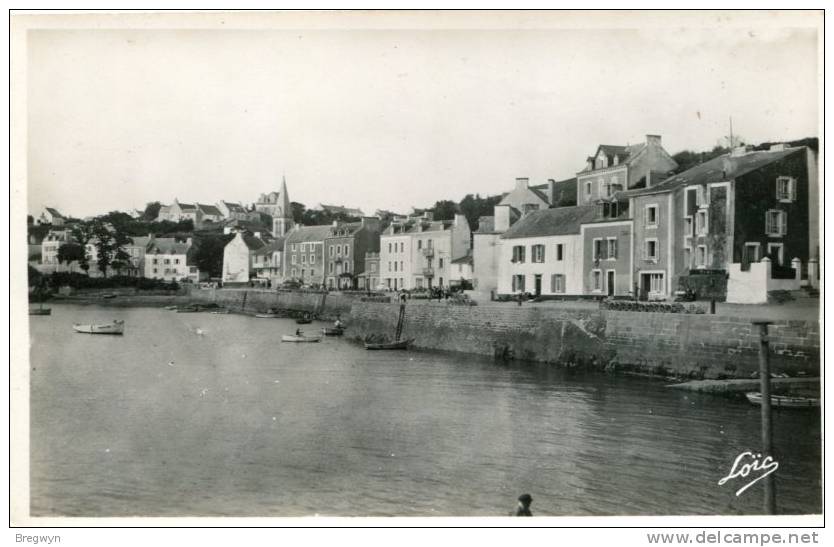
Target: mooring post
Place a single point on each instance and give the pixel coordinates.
(767, 420)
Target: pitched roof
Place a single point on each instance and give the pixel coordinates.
(465, 259)
(271, 247)
(430, 226)
(486, 225)
(210, 209)
(303, 234)
(236, 207)
(350, 227)
(140, 241)
(54, 212)
(551, 222)
(718, 169)
(168, 246)
(344, 210)
(187, 206)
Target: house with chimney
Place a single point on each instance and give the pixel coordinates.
(200, 214)
(239, 258)
(304, 254)
(345, 251)
(735, 227)
(172, 259)
(268, 261)
(541, 254)
(615, 168)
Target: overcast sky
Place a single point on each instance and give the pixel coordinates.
(385, 119)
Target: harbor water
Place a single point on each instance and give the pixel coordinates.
(212, 415)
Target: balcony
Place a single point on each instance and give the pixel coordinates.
(428, 272)
(428, 251)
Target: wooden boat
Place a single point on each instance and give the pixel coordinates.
(303, 320)
(399, 344)
(784, 401)
(301, 338)
(267, 316)
(219, 311)
(188, 309)
(108, 295)
(332, 331)
(116, 327)
(40, 311)
(171, 308)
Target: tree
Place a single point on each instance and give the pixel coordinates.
(30, 219)
(297, 212)
(474, 207)
(83, 233)
(151, 211)
(687, 159)
(208, 254)
(445, 210)
(110, 242)
(70, 252)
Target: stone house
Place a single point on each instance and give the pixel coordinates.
(51, 216)
(396, 257)
(200, 214)
(541, 254)
(268, 261)
(460, 273)
(369, 278)
(233, 211)
(701, 229)
(49, 251)
(345, 251)
(304, 254)
(435, 244)
(617, 168)
(171, 259)
(239, 258)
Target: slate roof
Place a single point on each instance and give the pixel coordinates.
(210, 209)
(465, 259)
(344, 210)
(430, 226)
(236, 207)
(350, 227)
(486, 225)
(252, 242)
(551, 222)
(271, 247)
(718, 169)
(304, 234)
(168, 246)
(140, 241)
(54, 212)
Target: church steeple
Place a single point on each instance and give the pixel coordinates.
(283, 222)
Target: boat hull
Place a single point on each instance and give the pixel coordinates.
(783, 401)
(43, 311)
(293, 338)
(401, 344)
(117, 327)
(267, 316)
(332, 331)
(303, 321)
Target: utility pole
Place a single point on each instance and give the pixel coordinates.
(732, 145)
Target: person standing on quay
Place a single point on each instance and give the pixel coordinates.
(523, 509)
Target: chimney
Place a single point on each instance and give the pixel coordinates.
(522, 183)
(653, 140)
(502, 218)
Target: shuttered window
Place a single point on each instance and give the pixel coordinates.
(557, 283)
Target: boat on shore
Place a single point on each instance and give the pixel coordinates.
(220, 311)
(303, 320)
(399, 344)
(271, 313)
(332, 331)
(188, 309)
(109, 295)
(171, 308)
(40, 311)
(116, 327)
(784, 401)
(300, 338)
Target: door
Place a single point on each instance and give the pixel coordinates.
(610, 285)
(538, 284)
(645, 285)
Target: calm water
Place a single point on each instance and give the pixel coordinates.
(166, 421)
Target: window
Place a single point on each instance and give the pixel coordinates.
(402, 246)
(347, 250)
(786, 189)
(155, 271)
(389, 250)
(403, 269)
(687, 257)
(650, 249)
(176, 261)
(701, 219)
(373, 268)
(293, 259)
(338, 250)
(293, 272)
(650, 216)
(155, 261)
(612, 248)
(537, 253)
(656, 283)
(331, 250)
(293, 247)
(557, 283)
(419, 244)
(518, 283)
(751, 252)
(702, 196)
(312, 259)
(303, 247)
(687, 226)
(599, 249)
(776, 223)
(167, 261)
(559, 250)
(395, 266)
(518, 253)
(331, 267)
(596, 279)
(701, 257)
(776, 252)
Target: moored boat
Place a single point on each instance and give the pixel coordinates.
(188, 309)
(108, 295)
(220, 311)
(116, 327)
(300, 338)
(784, 401)
(399, 344)
(171, 308)
(332, 331)
(303, 320)
(40, 311)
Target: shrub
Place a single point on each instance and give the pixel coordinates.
(652, 307)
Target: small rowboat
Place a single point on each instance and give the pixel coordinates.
(116, 327)
(40, 311)
(171, 308)
(784, 401)
(219, 311)
(267, 316)
(399, 344)
(332, 331)
(302, 338)
(303, 321)
(108, 295)
(188, 309)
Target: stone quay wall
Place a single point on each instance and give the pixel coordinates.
(665, 344)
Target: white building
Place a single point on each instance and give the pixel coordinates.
(541, 254)
(395, 257)
(169, 259)
(239, 258)
(50, 215)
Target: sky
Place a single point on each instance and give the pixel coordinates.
(386, 119)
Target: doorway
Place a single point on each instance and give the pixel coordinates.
(538, 284)
(610, 285)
